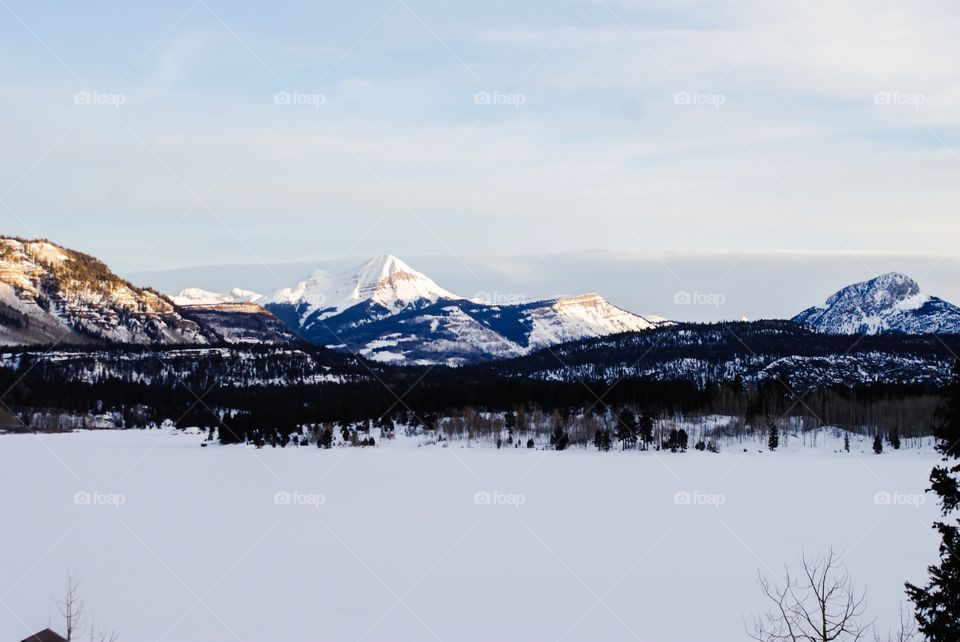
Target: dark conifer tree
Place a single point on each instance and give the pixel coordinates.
(877, 444)
(646, 429)
(510, 421)
(673, 441)
(682, 440)
(773, 441)
(559, 439)
(601, 439)
(326, 438)
(627, 428)
(938, 603)
(895, 439)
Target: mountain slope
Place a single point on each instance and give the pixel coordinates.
(459, 332)
(889, 303)
(241, 323)
(50, 294)
(756, 351)
(387, 311)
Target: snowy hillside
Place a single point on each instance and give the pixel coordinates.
(581, 317)
(889, 303)
(51, 294)
(756, 351)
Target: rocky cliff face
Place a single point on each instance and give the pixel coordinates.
(50, 294)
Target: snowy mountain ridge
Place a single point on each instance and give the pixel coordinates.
(891, 302)
(387, 311)
(196, 296)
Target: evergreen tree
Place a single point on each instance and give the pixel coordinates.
(510, 421)
(627, 428)
(877, 444)
(938, 603)
(646, 430)
(846, 442)
(682, 440)
(559, 439)
(773, 442)
(326, 438)
(671, 442)
(895, 439)
(601, 439)
(530, 443)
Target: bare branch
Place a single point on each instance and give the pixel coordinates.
(823, 605)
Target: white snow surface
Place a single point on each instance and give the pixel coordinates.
(388, 544)
(385, 280)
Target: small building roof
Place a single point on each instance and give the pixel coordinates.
(45, 635)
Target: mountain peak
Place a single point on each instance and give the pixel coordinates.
(891, 302)
(886, 290)
(386, 265)
(384, 280)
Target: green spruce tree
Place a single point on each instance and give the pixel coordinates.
(773, 441)
(937, 604)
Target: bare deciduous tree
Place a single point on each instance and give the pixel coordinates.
(907, 631)
(821, 605)
(72, 608)
(102, 635)
(74, 615)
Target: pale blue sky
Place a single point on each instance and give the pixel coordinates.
(676, 134)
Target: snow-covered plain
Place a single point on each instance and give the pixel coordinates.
(181, 543)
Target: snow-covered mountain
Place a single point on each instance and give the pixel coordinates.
(385, 285)
(196, 296)
(889, 303)
(387, 311)
(49, 294)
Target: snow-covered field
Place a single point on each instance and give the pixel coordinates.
(188, 544)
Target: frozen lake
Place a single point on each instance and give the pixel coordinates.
(188, 544)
